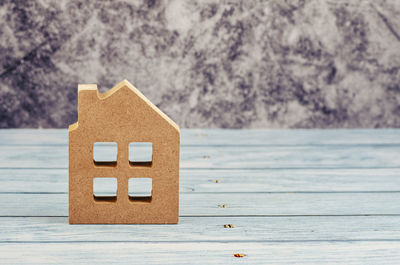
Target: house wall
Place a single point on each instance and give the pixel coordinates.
(229, 64)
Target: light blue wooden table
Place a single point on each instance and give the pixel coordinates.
(299, 196)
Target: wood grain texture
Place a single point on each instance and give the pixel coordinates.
(236, 180)
(303, 196)
(371, 252)
(256, 137)
(231, 157)
(206, 229)
(229, 204)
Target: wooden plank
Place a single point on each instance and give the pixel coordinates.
(225, 157)
(191, 181)
(372, 252)
(230, 204)
(198, 229)
(227, 137)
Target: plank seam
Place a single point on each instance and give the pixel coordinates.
(233, 216)
(204, 241)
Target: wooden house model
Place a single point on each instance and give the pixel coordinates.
(125, 117)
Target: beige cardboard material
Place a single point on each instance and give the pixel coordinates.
(122, 115)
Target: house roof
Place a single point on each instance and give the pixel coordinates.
(125, 83)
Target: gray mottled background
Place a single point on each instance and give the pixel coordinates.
(227, 64)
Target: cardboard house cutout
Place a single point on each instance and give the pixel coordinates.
(122, 116)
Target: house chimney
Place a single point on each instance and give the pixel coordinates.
(87, 95)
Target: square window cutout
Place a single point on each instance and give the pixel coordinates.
(105, 189)
(140, 189)
(105, 153)
(140, 153)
